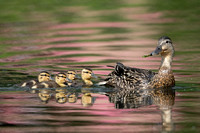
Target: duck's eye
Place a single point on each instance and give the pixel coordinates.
(158, 48)
(167, 41)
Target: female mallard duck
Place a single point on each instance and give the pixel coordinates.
(43, 76)
(60, 81)
(134, 78)
(86, 75)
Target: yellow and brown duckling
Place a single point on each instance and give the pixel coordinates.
(72, 75)
(60, 81)
(43, 76)
(135, 78)
(86, 75)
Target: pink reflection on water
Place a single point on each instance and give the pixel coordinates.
(155, 17)
(71, 32)
(91, 25)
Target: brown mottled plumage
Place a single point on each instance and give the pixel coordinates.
(134, 78)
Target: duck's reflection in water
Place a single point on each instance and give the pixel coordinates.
(164, 98)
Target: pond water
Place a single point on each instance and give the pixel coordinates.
(57, 36)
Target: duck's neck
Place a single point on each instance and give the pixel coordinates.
(88, 82)
(166, 63)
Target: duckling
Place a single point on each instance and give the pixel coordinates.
(86, 75)
(60, 81)
(43, 76)
(72, 75)
(135, 78)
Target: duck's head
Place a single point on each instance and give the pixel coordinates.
(86, 75)
(164, 47)
(44, 76)
(61, 79)
(71, 74)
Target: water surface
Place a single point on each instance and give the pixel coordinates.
(57, 36)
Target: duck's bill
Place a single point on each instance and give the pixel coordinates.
(94, 76)
(155, 52)
(68, 80)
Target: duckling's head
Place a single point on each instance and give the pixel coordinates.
(71, 74)
(44, 76)
(164, 47)
(86, 75)
(61, 79)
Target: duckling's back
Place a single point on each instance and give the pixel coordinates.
(46, 84)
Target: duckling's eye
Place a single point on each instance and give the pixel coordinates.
(62, 76)
(86, 72)
(45, 75)
(71, 73)
(167, 41)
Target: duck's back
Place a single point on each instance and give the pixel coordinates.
(131, 78)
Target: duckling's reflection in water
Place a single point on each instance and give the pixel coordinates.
(61, 95)
(87, 100)
(162, 97)
(44, 95)
(72, 97)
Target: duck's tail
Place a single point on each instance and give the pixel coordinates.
(118, 71)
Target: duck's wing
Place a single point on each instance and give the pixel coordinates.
(127, 77)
